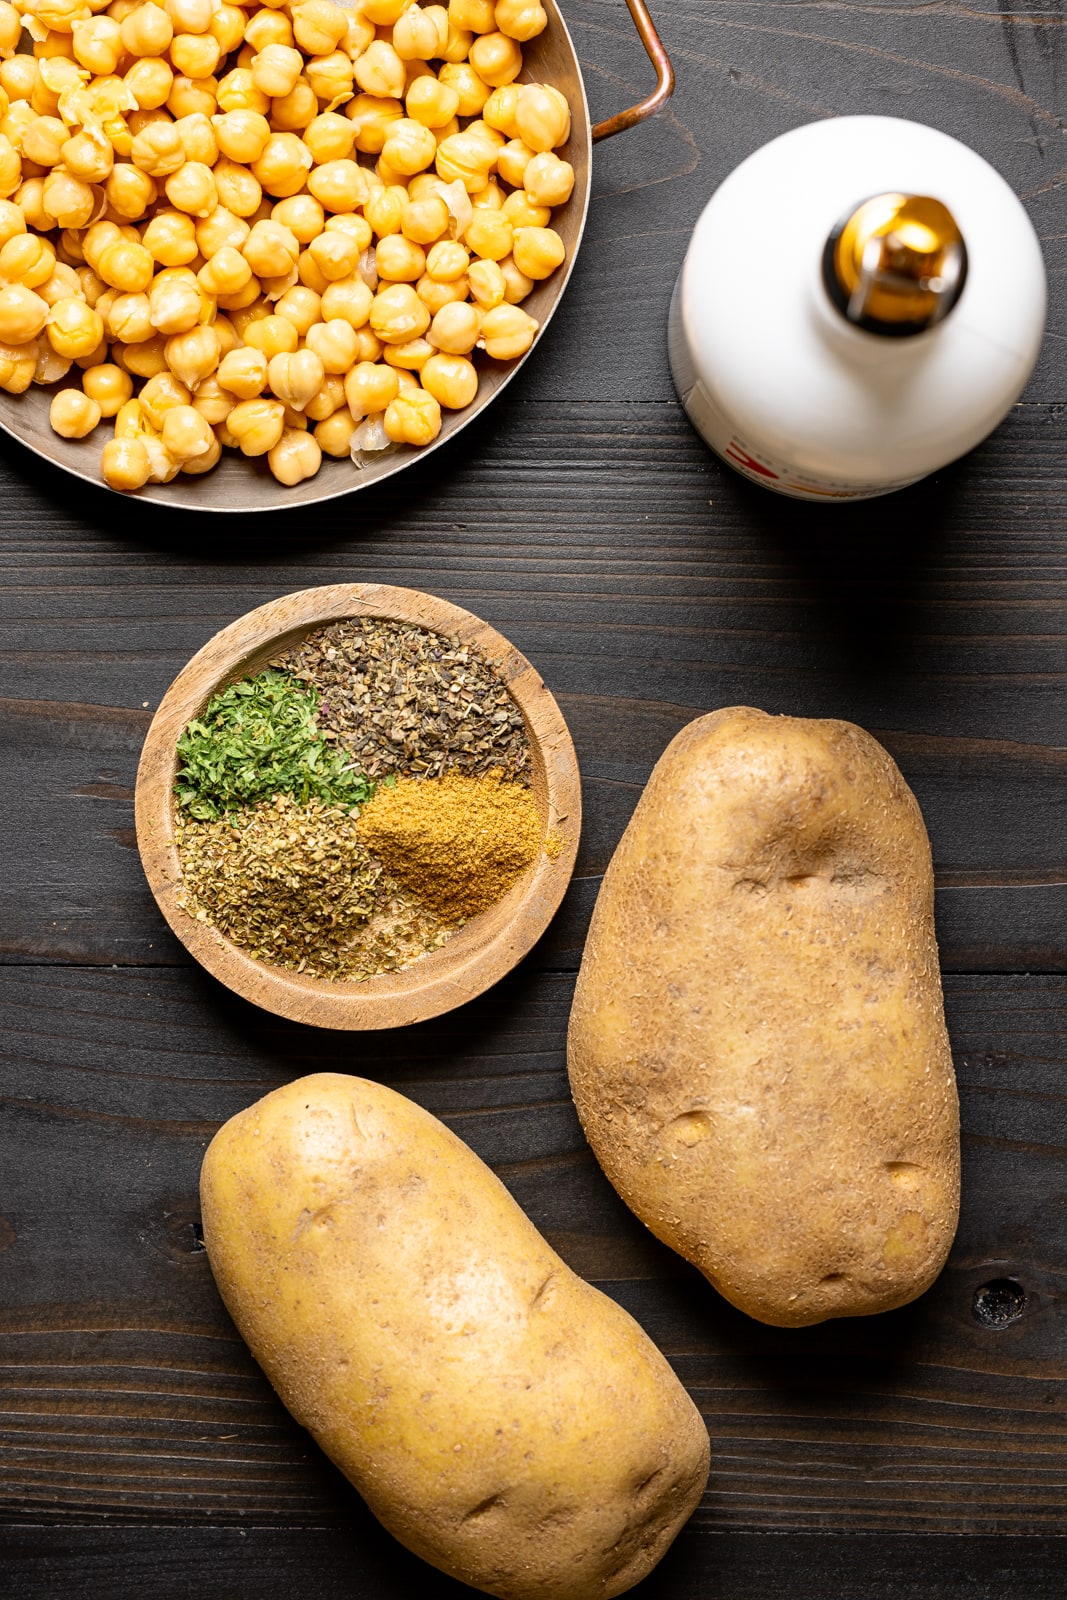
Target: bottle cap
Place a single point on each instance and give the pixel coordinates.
(895, 264)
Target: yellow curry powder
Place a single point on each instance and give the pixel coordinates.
(457, 843)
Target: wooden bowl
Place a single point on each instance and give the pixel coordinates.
(480, 952)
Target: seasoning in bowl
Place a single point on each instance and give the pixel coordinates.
(345, 811)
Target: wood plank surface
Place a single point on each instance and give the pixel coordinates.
(922, 1453)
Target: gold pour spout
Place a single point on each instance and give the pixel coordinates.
(896, 264)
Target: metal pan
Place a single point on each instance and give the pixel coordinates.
(239, 483)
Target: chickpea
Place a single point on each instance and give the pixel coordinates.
(500, 108)
(12, 221)
(146, 31)
(414, 417)
(319, 26)
(88, 155)
(238, 92)
(194, 355)
(467, 158)
(256, 425)
(129, 319)
(349, 299)
(160, 395)
(143, 360)
(543, 117)
(109, 386)
(334, 342)
(213, 402)
(516, 284)
(124, 464)
(331, 78)
(302, 214)
(409, 357)
(170, 238)
(333, 434)
(218, 230)
(275, 69)
(27, 259)
(73, 414)
(192, 189)
(521, 213)
(268, 26)
(226, 274)
(379, 71)
(331, 394)
(399, 260)
(339, 185)
(451, 379)
(489, 235)
(371, 116)
(158, 150)
(309, 274)
(228, 25)
(186, 433)
(237, 189)
(242, 135)
(384, 210)
(150, 81)
(129, 191)
(330, 137)
(272, 335)
(68, 201)
(424, 221)
(434, 295)
(74, 328)
(431, 102)
(456, 329)
(548, 181)
(335, 254)
(507, 332)
(447, 259)
(43, 140)
(193, 96)
(189, 16)
(409, 148)
(301, 306)
(200, 464)
(283, 167)
(476, 16)
(512, 161)
(416, 35)
(244, 372)
(271, 249)
(383, 13)
(296, 456)
(520, 19)
(295, 379)
(195, 55)
(357, 228)
(472, 90)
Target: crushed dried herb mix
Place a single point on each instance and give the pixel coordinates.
(404, 700)
(343, 812)
(294, 885)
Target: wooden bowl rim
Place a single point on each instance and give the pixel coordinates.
(475, 957)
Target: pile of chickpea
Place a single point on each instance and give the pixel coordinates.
(184, 205)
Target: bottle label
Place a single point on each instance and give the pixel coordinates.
(754, 463)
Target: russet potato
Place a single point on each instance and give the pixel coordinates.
(505, 1420)
(757, 1047)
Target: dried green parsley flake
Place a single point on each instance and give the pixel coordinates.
(258, 738)
(294, 885)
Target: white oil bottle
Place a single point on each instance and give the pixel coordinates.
(862, 301)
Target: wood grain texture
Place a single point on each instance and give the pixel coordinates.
(920, 1454)
(130, 1398)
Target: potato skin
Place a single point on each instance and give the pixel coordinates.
(757, 1046)
(504, 1419)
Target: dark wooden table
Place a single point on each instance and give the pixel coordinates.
(922, 1453)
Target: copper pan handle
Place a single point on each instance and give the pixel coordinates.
(652, 42)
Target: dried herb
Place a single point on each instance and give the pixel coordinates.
(401, 699)
(456, 843)
(258, 738)
(295, 885)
